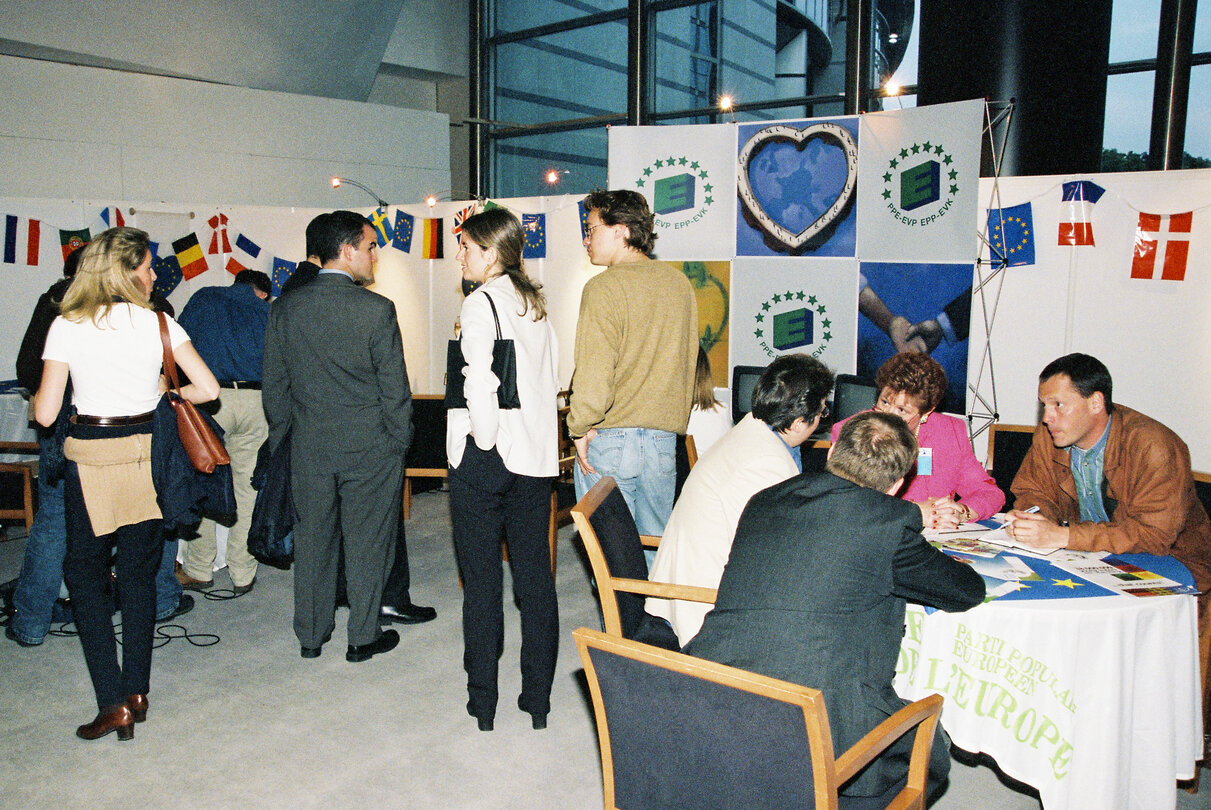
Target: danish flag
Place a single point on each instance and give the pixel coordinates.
(1166, 236)
(218, 224)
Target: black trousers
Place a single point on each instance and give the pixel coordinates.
(86, 572)
(396, 592)
(486, 501)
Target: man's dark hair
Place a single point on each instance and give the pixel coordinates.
(626, 207)
(874, 450)
(72, 262)
(255, 279)
(1088, 375)
(793, 386)
(339, 229)
(313, 232)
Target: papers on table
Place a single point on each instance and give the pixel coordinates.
(1120, 576)
(1001, 575)
(985, 538)
(1050, 574)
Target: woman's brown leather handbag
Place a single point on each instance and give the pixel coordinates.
(204, 448)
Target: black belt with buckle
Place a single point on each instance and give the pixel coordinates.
(251, 385)
(112, 421)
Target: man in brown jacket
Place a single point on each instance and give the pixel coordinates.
(1107, 478)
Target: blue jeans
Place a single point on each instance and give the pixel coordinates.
(41, 578)
(644, 463)
(168, 587)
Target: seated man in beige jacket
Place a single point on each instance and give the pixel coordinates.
(760, 451)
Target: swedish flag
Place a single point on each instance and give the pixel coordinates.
(382, 225)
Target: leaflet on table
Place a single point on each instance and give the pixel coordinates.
(1001, 575)
(1120, 576)
(982, 539)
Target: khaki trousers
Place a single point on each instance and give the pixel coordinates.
(244, 431)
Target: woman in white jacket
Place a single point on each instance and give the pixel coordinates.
(501, 463)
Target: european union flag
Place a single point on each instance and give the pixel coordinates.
(382, 226)
(168, 274)
(402, 239)
(584, 217)
(1011, 235)
(534, 227)
(282, 270)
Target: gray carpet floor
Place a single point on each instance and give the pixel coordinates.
(247, 723)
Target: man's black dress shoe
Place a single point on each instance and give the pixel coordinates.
(364, 652)
(117, 718)
(314, 652)
(407, 614)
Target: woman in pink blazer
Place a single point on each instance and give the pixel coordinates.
(949, 484)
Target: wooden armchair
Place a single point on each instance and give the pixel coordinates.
(615, 550)
(26, 472)
(680, 732)
(563, 490)
(427, 455)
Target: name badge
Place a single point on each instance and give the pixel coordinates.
(925, 461)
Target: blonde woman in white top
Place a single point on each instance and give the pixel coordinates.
(501, 463)
(107, 338)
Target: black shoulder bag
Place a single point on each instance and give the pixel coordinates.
(504, 366)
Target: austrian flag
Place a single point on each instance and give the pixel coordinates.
(1166, 236)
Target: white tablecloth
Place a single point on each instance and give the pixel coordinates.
(1095, 702)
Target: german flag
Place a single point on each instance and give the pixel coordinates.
(431, 244)
(189, 254)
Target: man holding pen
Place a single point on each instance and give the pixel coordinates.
(1103, 477)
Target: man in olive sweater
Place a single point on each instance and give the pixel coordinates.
(636, 349)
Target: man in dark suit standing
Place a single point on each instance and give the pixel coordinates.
(815, 586)
(335, 383)
(397, 605)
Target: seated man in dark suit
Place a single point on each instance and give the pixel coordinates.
(815, 586)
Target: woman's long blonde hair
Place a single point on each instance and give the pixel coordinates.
(497, 228)
(106, 275)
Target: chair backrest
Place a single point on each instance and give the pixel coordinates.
(427, 453)
(680, 732)
(686, 456)
(814, 454)
(612, 541)
(1007, 448)
(615, 552)
(851, 395)
(1202, 488)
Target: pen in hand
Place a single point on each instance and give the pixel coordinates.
(1009, 521)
